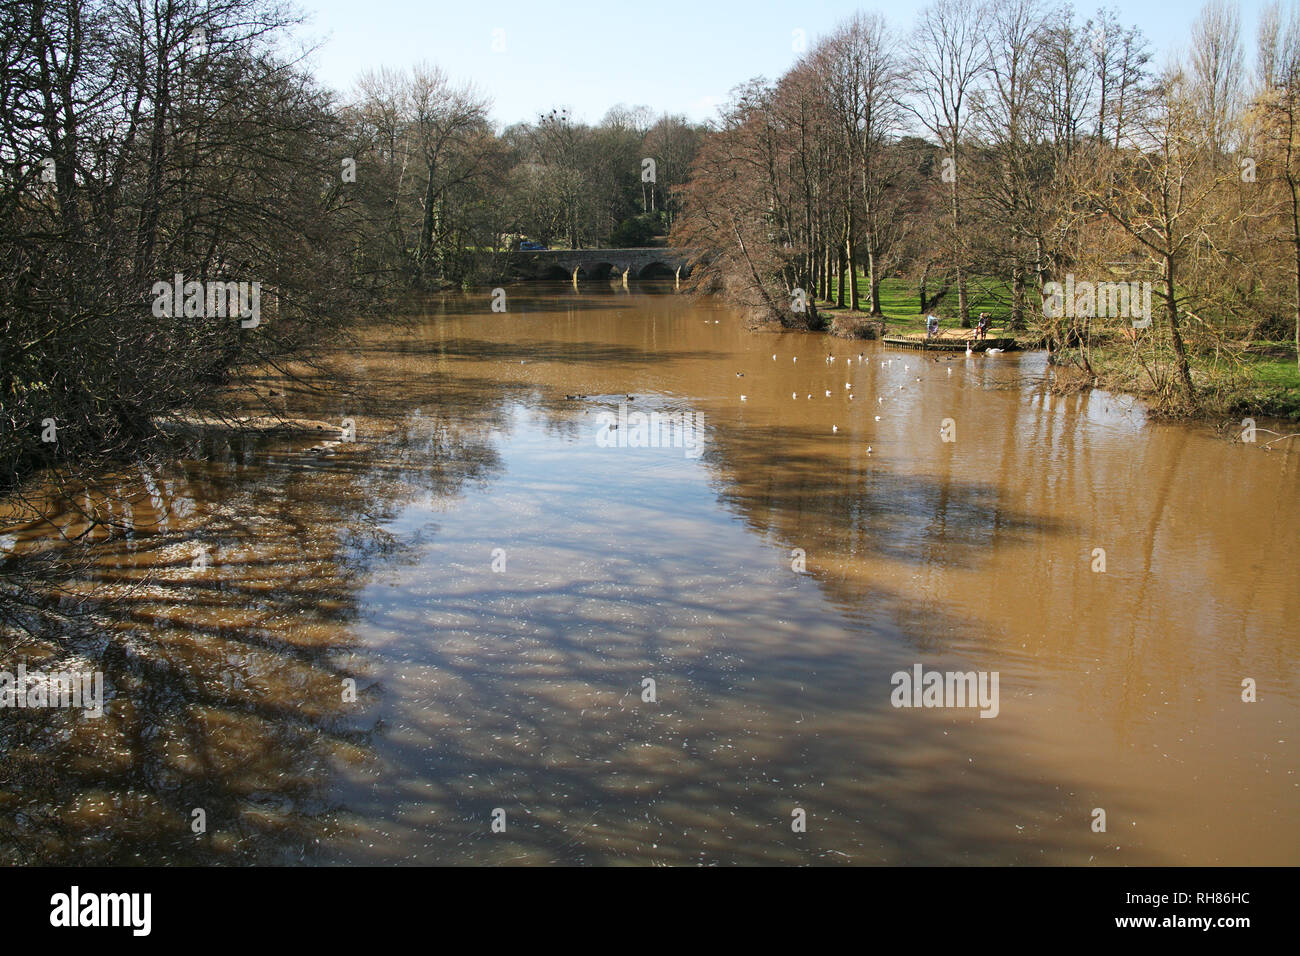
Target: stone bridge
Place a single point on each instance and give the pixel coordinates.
(575, 264)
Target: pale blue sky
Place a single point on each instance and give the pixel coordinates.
(682, 56)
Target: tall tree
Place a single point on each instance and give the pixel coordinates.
(1279, 98)
(948, 59)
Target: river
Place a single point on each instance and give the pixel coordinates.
(502, 580)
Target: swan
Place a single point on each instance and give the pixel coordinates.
(742, 398)
(992, 351)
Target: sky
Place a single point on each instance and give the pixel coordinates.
(677, 56)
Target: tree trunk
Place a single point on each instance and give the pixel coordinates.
(1017, 295)
(963, 305)
(963, 301)
(851, 266)
(1295, 230)
(874, 275)
(426, 227)
(1180, 352)
(839, 295)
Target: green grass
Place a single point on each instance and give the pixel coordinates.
(901, 303)
(1277, 372)
(1275, 387)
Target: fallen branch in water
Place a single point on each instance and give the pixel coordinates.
(1281, 438)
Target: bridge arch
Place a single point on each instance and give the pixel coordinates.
(657, 270)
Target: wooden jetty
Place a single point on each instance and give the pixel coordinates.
(947, 344)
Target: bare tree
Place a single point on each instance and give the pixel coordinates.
(1161, 192)
(860, 67)
(1008, 119)
(948, 59)
(1217, 74)
(443, 122)
(1279, 96)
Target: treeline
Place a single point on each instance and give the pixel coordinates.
(1012, 144)
(457, 194)
(180, 199)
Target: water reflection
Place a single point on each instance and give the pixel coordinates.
(225, 682)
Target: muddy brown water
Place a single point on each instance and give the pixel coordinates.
(500, 587)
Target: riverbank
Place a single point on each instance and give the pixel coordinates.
(1247, 379)
(1252, 384)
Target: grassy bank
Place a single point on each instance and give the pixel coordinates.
(1261, 377)
(901, 305)
(1258, 382)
